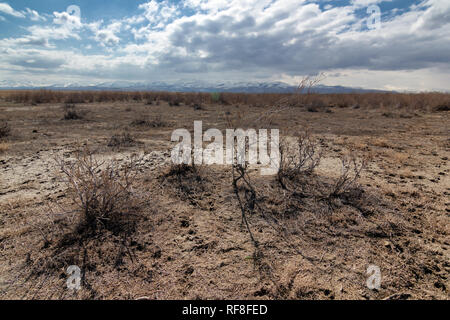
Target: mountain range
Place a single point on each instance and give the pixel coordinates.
(178, 86)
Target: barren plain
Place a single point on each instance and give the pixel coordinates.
(185, 237)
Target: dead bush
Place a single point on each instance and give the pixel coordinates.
(190, 182)
(197, 107)
(121, 140)
(181, 170)
(72, 114)
(298, 158)
(351, 170)
(155, 122)
(442, 108)
(316, 104)
(246, 195)
(5, 130)
(175, 103)
(304, 94)
(103, 191)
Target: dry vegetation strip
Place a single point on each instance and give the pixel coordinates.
(413, 101)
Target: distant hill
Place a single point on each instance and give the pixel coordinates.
(180, 86)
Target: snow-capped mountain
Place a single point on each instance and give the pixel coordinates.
(179, 86)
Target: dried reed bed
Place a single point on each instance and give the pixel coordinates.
(416, 101)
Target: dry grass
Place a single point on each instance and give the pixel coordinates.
(398, 157)
(123, 139)
(304, 96)
(154, 122)
(4, 146)
(380, 142)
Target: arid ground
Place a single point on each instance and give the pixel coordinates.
(184, 236)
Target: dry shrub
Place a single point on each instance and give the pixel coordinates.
(99, 234)
(121, 140)
(316, 104)
(304, 95)
(313, 109)
(191, 183)
(246, 195)
(298, 159)
(5, 130)
(72, 115)
(155, 122)
(136, 96)
(174, 103)
(103, 191)
(351, 171)
(182, 170)
(197, 107)
(442, 108)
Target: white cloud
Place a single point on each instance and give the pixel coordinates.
(52, 33)
(28, 41)
(133, 20)
(106, 36)
(158, 13)
(436, 15)
(34, 15)
(6, 8)
(366, 3)
(64, 26)
(68, 20)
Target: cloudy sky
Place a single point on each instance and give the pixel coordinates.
(87, 41)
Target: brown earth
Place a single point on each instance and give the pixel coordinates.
(188, 240)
